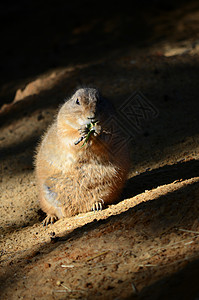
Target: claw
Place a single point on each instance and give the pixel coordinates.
(99, 205)
(83, 130)
(79, 140)
(49, 220)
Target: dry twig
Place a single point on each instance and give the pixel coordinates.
(97, 255)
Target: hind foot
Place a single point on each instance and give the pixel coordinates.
(99, 205)
(50, 219)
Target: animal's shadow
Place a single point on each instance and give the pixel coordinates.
(164, 175)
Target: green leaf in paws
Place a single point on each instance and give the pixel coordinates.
(89, 126)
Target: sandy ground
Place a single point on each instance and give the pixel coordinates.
(146, 246)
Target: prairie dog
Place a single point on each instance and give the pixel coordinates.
(76, 167)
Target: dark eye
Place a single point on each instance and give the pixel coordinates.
(77, 102)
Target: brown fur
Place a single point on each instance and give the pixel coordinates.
(71, 178)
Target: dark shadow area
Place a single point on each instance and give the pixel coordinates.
(165, 175)
(16, 149)
(38, 36)
(166, 214)
(182, 285)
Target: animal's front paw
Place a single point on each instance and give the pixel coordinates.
(99, 205)
(50, 219)
(83, 133)
(83, 130)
